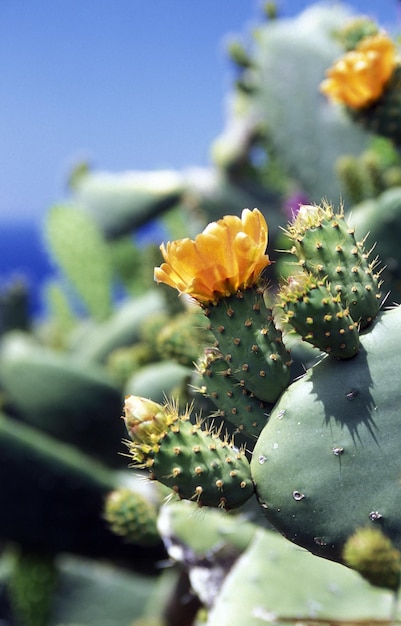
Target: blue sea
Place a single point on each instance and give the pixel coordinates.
(23, 256)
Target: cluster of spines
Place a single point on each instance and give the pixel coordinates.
(326, 247)
(234, 402)
(250, 343)
(318, 316)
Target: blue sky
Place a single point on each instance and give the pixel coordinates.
(128, 84)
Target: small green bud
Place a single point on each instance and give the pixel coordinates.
(131, 516)
(147, 423)
(373, 555)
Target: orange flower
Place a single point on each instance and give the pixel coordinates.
(359, 78)
(228, 255)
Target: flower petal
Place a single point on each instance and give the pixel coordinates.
(228, 255)
(359, 78)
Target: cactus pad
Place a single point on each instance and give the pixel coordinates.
(328, 461)
(318, 316)
(233, 401)
(190, 458)
(326, 246)
(249, 340)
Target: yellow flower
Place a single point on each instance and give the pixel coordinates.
(228, 255)
(359, 78)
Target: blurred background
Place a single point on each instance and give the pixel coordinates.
(123, 86)
(124, 124)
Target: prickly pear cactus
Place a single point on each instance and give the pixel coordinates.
(322, 451)
(306, 134)
(305, 436)
(327, 462)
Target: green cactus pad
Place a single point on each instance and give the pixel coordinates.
(75, 402)
(78, 247)
(318, 316)
(198, 465)
(250, 342)
(273, 582)
(328, 461)
(233, 401)
(381, 217)
(326, 247)
(31, 587)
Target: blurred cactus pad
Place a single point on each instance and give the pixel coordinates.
(202, 424)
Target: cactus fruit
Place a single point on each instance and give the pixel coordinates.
(338, 416)
(373, 555)
(131, 515)
(327, 248)
(318, 315)
(193, 461)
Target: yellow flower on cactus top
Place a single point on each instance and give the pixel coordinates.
(228, 255)
(359, 78)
